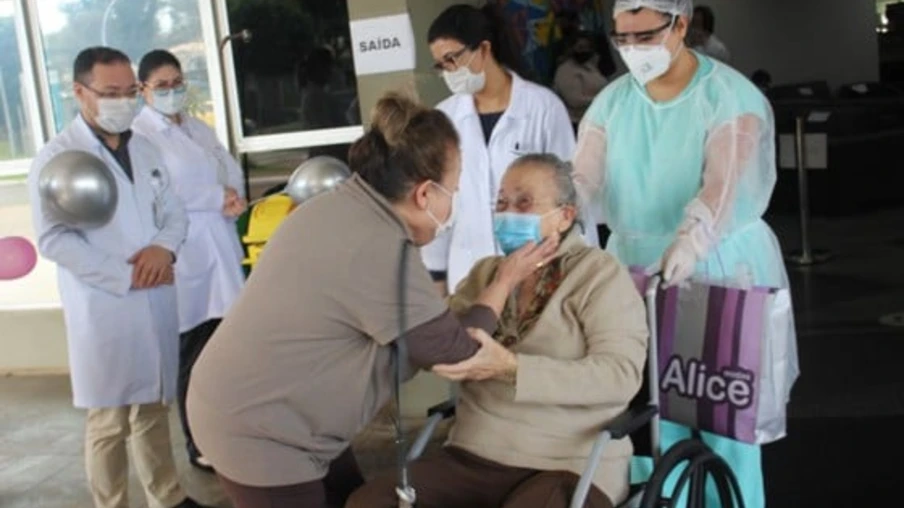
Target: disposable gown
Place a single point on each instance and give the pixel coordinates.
(704, 164)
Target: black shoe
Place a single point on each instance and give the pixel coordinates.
(191, 503)
(201, 463)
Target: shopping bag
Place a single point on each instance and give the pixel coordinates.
(727, 357)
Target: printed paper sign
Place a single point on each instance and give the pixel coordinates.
(384, 44)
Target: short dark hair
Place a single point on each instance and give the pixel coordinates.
(583, 35)
(761, 77)
(317, 68)
(88, 58)
(154, 60)
(708, 16)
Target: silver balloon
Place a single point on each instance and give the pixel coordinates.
(316, 175)
(78, 189)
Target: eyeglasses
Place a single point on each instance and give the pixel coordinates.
(131, 93)
(645, 37)
(523, 203)
(177, 84)
(449, 61)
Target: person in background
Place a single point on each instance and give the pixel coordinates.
(567, 24)
(570, 26)
(116, 286)
(304, 359)
(702, 35)
(204, 175)
(319, 110)
(568, 357)
(499, 116)
(319, 107)
(578, 79)
(762, 79)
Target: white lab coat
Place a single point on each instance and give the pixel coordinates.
(123, 343)
(209, 273)
(535, 121)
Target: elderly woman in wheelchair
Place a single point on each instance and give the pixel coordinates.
(566, 359)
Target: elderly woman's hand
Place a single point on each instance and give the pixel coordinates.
(520, 264)
(492, 361)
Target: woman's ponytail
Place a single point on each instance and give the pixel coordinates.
(505, 51)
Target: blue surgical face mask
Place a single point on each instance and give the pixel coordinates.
(514, 230)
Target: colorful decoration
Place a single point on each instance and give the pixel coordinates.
(537, 33)
(17, 257)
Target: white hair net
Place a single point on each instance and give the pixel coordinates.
(673, 7)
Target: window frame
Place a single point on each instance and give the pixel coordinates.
(32, 98)
(242, 144)
(38, 103)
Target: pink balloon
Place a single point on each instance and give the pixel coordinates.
(17, 257)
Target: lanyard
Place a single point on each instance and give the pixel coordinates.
(404, 490)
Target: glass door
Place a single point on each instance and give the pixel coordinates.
(291, 90)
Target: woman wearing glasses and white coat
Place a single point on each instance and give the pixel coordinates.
(499, 116)
(209, 274)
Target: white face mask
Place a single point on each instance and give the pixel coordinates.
(463, 81)
(442, 227)
(116, 115)
(169, 102)
(647, 63)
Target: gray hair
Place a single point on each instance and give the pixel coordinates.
(562, 176)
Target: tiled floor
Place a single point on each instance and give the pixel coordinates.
(41, 460)
(847, 409)
(846, 415)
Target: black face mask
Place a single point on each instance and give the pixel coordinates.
(582, 57)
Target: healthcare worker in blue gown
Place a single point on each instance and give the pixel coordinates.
(679, 156)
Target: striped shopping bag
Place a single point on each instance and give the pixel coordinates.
(717, 362)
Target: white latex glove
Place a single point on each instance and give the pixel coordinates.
(679, 261)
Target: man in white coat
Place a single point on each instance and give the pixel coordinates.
(701, 37)
(115, 284)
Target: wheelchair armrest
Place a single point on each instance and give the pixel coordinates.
(446, 409)
(628, 422)
(622, 426)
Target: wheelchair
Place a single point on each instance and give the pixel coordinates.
(700, 464)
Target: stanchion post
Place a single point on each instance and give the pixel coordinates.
(806, 256)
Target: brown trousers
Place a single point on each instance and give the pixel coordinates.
(455, 478)
(343, 478)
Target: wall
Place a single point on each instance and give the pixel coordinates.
(801, 40)
(422, 82)
(32, 336)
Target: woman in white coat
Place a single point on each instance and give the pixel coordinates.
(499, 117)
(209, 276)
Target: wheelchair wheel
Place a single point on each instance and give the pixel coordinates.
(699, 463)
